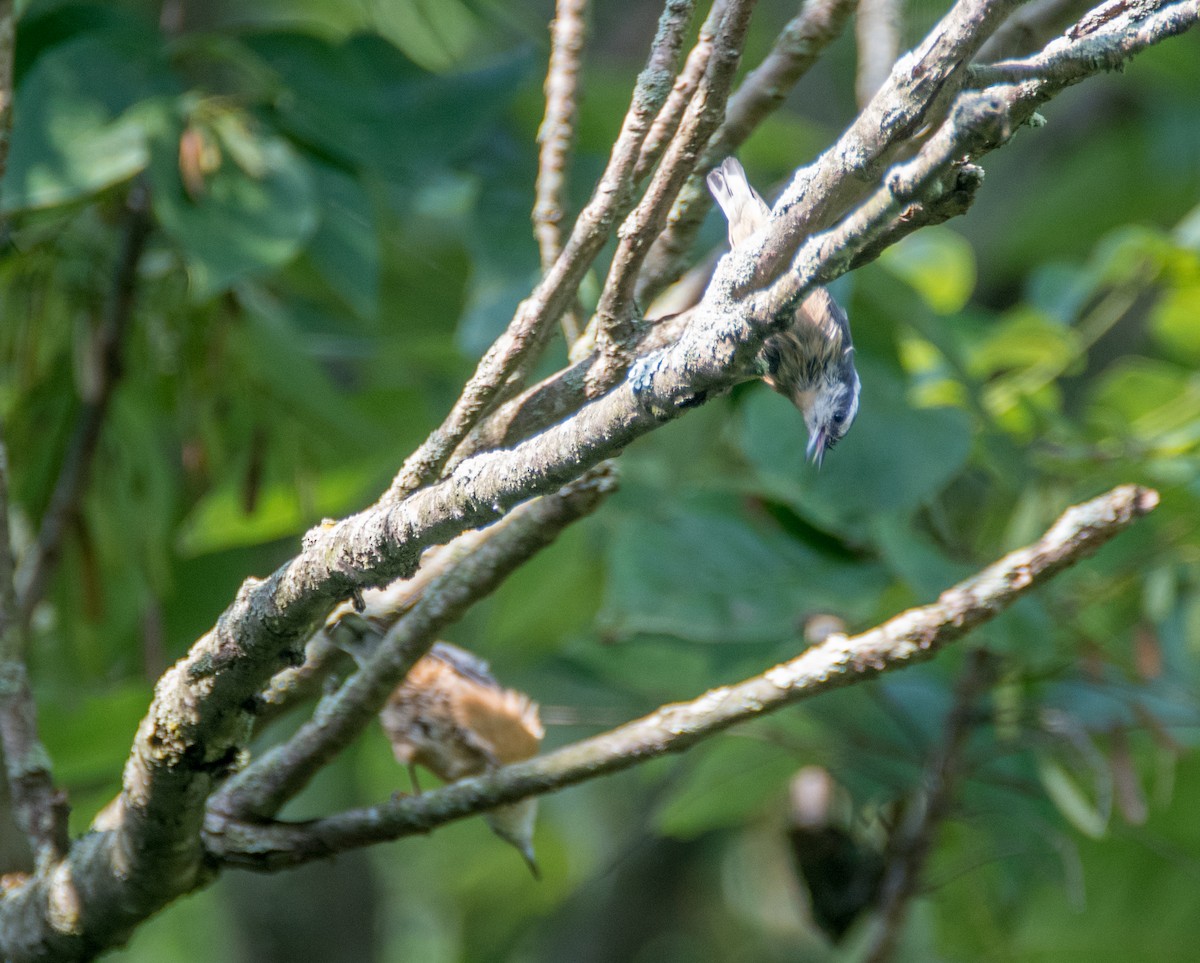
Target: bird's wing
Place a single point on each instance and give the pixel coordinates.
(745, 210)
(465, 663)
(828, 317)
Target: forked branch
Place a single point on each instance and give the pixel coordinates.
(911, 637)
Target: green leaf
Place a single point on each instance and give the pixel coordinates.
(732, 781)
(1174, 322)
(254, 212)
(1152, 401)
(435, 35)
(1187, 232)
(436, 118)
(220, 520)
(1129, 255)
(366, 103)
(1023, 340)
(84, 117)
(914, 558)
(713, 578)
(894, 458)
(44, 29)
(90, 739)
(345, 248)
(938, 263)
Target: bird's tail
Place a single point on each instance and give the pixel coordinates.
(745, 210)
(514, 824)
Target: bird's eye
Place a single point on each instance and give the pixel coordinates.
(839, 417)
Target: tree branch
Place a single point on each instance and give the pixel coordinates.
(954, 195)
(713, 341)
(914, 636)
(979, 122)
(357, 625)
(763, 91)
(920, 83)
(39, 809)
(475, 571)
(924, 813)
(695, 67)
(529, 328)
(556, 135)
(291, 686)
(617, 306)
(1103, 40)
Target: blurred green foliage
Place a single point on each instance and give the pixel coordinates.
(342, 195)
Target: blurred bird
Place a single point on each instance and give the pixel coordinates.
(839, 862)
(451, 716)
(812, 362)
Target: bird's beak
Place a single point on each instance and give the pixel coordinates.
(816, 447)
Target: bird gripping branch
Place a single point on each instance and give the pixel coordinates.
(811, 362)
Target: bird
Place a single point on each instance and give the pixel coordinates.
(811, 362)
(837, 857)
(452, 717)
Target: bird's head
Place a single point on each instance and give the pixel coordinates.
(831, 406)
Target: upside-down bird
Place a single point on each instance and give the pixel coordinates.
(451, 716)
(811, 362)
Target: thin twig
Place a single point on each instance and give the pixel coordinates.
(1103, 40)
(104, 368)
(878, 32)
(617, 306)
(914, 636)
(924, 81)
(354, 625)
(557, 396)
(34, 801)
(979, 122)
(663, 130)
(41, 808)
(528, 330)
(8, 594)
(294, 685)
(694, 68)
(952, 199)
(798, 47)
(556, 136)
(930, 188)
(913, 839)
(1007, 97)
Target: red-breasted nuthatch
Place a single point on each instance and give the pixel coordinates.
(451, 716)
(812, 361)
